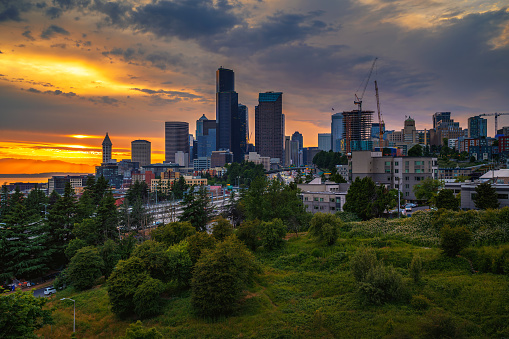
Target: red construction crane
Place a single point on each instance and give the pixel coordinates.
(380, 120)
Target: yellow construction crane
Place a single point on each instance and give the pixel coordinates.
(380, 120)
(496, 118)
(358, 100)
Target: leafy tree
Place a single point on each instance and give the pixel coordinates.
(446, 199)
(88, 231)
(147, 298)
(86, 205)
(154, 258)
(100, 187)
(367, 200)
(248, 233)
(235, 210)
(485, 196)
(4, 203)
(179, 263)
(197, 208)
(329, 160)
(362, 261)
(173, 233)
(222, 229)
(337, 178)
(271, 234)
(415, 151)
(123, 284)
(110, 253)
(325, 227)
(427, 189)
(199, 242)
(415, 268)
(178, 187)
(137, 331)
(22, 314)
(382, 284)
(107, 217)
(220, 276)
(454, 239)
(73, 246)
(133, 216)
(85, 267)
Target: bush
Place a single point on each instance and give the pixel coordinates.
(219, 277)
(199, 242)
(137, 331)
(222, 229)
(454, 239)
(147, 298)
(179, 263)
(420, 302)
(347, 216)
(85, 267)
(415, 268)
(439, 325)
(362, 262)
(325, 227)
(248, 233)
(382, 284)
(271, 234)
(173, 233)
(123, 284)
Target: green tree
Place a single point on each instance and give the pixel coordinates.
(22, 314)
(485, 197)
(107, 217)
(73, 246)
(137, 331)
(220, 276)
(154, 258)
(86, 205)
(35, 204)
(88, 231)
(123, 284)
(173, 233)
(197, 208)
(110, 253)
(147, 298)
(271, 234)
(415, 151)
(415, 268)
(427, 189)
(362, 261)
(222, 229)
(179, 263)
(446, 199)
(325, 227)
(100, 187)
(199, 242)
(178, 187)
(248, 233)
(235, 210)
(85, 267)
(454, 239)
(367, 200)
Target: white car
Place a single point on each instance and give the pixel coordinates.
(49, 290)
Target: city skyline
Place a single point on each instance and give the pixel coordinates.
(72, 71)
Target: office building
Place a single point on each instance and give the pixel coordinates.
(324, 141)
(269, 135)
(176, 136)
(477, 127)
(220, 158)
(199, 126)
(336, 131)
(229, 134)
(244, 127)
(206, 141)
(257, 159)
(107, 145)
(356, 131)
(299, 138)
(141, 152)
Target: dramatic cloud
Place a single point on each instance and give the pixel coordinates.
(53, 30)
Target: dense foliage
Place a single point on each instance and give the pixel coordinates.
(325, 227)
(368, 200)
(485, 196)
(329, 160)
(85, 267)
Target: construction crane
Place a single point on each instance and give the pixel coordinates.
(496, 118)
(380, 120)
(358, 100)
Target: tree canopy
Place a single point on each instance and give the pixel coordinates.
(485, 196)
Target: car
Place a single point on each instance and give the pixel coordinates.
(49, 290)
(411, 205)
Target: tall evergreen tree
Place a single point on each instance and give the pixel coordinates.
(197, 208)
(36, 204)
(107, 217)
(87, 203)
(100, 187)
(486, 196)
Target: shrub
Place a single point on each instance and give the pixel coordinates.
(271, 234)
(137, 331)
(382, 284)
(248, 233)
(420, 302)
(325, 227)
(199, 242)
(173, 233)
(222, 228)
(219, 277)
(439, 325)
(347, 216)
(85, 267)
(454, 239)
(123, 284)
(415, 268)
(147, 298)
(362, 262)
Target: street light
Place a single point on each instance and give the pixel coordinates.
(74, 322)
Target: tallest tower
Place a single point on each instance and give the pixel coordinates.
(107, 149)
(228, 135)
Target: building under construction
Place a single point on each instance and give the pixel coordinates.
(356, 131)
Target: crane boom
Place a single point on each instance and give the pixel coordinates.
(496, 118)
(380, 121)
(358, 100)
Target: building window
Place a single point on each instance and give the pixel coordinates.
(332, 200)
(396, 170)
(321, 199)
(315, 199)
(396, 163)
(305, 198)
(387, 170)
(406, 171)
(502, 196)
(332, 208)
(321, 207)
(316, 207)
(407, 186)
(407, 163)
(387, 163)
(407, 194)
(407, 178)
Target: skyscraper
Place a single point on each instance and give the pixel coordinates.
(269, 135)
(356, 131)
(199, 126)
(228, 132)
(477, 127)
(244, 127)
(336, 131)
(206, 142)
(107, 149)
(324, 141)
(298, 137)
(176, 136)
(141, 152)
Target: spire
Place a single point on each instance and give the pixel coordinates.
(107, 141)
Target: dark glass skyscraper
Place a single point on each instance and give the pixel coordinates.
(176, 136)
(228, 131)
(269, 131)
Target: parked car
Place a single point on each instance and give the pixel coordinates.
(49, 290)
(411, 205)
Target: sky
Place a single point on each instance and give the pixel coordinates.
(72, 70)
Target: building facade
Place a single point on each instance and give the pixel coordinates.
(269, 134)
(141, 152)
(107, 146)
(477, 127)
(176, 136)
(324, 141)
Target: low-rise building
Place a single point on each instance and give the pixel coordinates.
(328, 197)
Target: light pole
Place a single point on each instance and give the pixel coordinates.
(74, 321)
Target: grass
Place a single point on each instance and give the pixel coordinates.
(307, 290)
